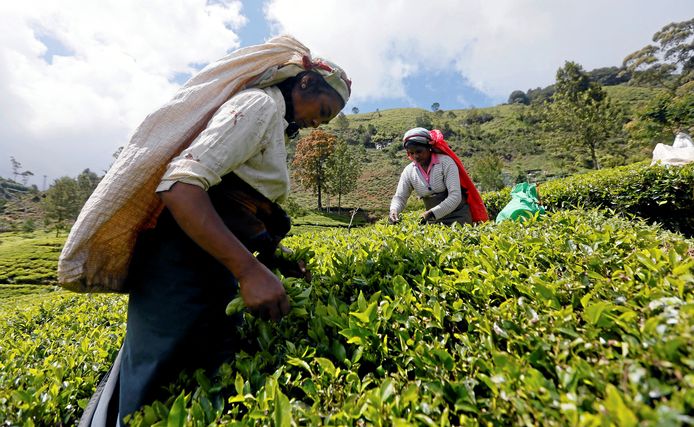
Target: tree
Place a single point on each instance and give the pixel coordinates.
(423, 121)
(365, 140)
(473, 116)
(581, 112)
(25, 176)
(518, 97)
(487, 171)
(355, 110)
(343, 168)
(341, 121)
(663, 117)
(309, 167)
(66, 196)
(572, 82)
(670, 62)
(539, 95)
(62, 202)
(16, 167)
(86, 183)
(609, 76)
(17, 171)
(447, 130)
(435, 107)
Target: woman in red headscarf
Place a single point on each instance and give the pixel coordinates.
(438, 177)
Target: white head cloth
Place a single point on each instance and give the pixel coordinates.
(418, 135)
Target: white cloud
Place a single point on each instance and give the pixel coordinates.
(497, 45)
(114, 60)
(66, 113)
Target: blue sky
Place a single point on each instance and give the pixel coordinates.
(78, 76)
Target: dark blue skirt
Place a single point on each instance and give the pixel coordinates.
(176, 314)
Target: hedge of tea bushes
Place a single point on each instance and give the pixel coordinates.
(54, 348)
(29, 258)
(509, 324)
(572, 319)
(656, 193)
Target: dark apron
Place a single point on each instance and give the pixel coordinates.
(177, 299)
(461, 214)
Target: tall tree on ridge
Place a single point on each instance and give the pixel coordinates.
(669, 63)
(581, 112)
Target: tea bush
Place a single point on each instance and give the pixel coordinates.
(29, 259)
(574, 318)
(656, 193)
(54, 348)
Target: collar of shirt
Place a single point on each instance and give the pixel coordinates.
(425, 173)
(276, 96)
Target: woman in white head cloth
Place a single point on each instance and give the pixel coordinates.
(185, 270)
(438, 177)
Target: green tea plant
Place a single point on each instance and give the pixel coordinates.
(29, 258)
(10, 294)
(570, 319)
(655, 193)
(54, 348)
(574, 318)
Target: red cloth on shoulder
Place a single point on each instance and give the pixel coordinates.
(474, 200)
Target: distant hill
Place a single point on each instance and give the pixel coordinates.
(509, 131)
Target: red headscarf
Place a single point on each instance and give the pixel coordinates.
(474, 200)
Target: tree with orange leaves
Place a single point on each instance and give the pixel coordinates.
(309, 164)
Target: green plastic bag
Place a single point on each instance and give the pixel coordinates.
(524, 203)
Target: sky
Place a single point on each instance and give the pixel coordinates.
(78, 76)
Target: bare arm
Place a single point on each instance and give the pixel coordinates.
(192, 208)
(402, 193)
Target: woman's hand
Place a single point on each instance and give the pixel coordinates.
(304, 270)
(288, 267)
(262, 292)
(426, 216)
(260, 289)
(393, 216)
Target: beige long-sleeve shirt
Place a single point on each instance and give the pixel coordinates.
(443, 176)
(245, 136)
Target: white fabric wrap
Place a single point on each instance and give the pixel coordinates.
(680, 153)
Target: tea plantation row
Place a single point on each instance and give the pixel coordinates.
(656, 193)
(29, 261)
(575, 318)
